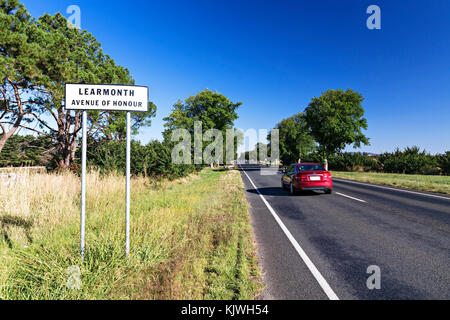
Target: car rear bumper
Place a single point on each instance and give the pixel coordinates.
(315, 186)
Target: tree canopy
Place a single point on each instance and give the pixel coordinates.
(295, 140)
(20, 74)
(336, 120)
(212, 109)
(39, 58)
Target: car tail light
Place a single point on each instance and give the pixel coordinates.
(303, 177)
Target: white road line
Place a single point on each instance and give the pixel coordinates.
(317, 275)
(395, 189)
(344, 195)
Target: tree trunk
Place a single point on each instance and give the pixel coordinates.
(5, 137)
(67, 141)
(64, 162)
(16, 125)
(326, 162)
(73, 144)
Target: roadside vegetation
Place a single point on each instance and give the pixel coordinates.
(190, 238)
(411, 160)
(412, 181)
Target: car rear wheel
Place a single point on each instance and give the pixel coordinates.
(291, 189)
(328, 191)
(282, 185)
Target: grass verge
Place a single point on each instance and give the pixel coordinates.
(190, 239)
(431, 183)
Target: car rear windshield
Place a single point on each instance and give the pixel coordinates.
(310, 167)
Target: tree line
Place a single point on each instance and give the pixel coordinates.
(329, 124)
(410, 160)
(335, 120)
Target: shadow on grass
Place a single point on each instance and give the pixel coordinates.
(11, 221)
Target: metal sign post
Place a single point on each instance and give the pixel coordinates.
(127, 187)
(109, 98)
(83, 184)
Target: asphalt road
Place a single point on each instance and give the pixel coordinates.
(338, 236)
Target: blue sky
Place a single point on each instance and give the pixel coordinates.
(274, 56)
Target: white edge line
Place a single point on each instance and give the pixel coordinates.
(395, 189)
(344, 195)
(315, 272)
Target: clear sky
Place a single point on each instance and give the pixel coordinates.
(274, 56)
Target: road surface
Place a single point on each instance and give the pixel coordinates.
(318, 246)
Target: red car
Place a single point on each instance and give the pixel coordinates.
(306, 176)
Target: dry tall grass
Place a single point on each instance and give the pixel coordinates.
(190, 238)
(46, 201)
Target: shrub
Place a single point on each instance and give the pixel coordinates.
(27, 151)
(444, 163)
(347, 161)
(153, 159)
(410, 161)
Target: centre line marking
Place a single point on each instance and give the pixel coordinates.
(315, 272)
(344, 195)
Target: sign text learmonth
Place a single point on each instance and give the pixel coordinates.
(106, 97)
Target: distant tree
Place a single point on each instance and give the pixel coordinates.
(27, 151)
(255, 153)
(295, 140)
(335, 120)
(262, 149)
(212, 109)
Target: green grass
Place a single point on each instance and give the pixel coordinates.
(190, 239)
(431, 183)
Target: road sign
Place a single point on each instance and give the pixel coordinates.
(108, 98)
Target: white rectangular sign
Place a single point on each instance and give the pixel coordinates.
(106, 97)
